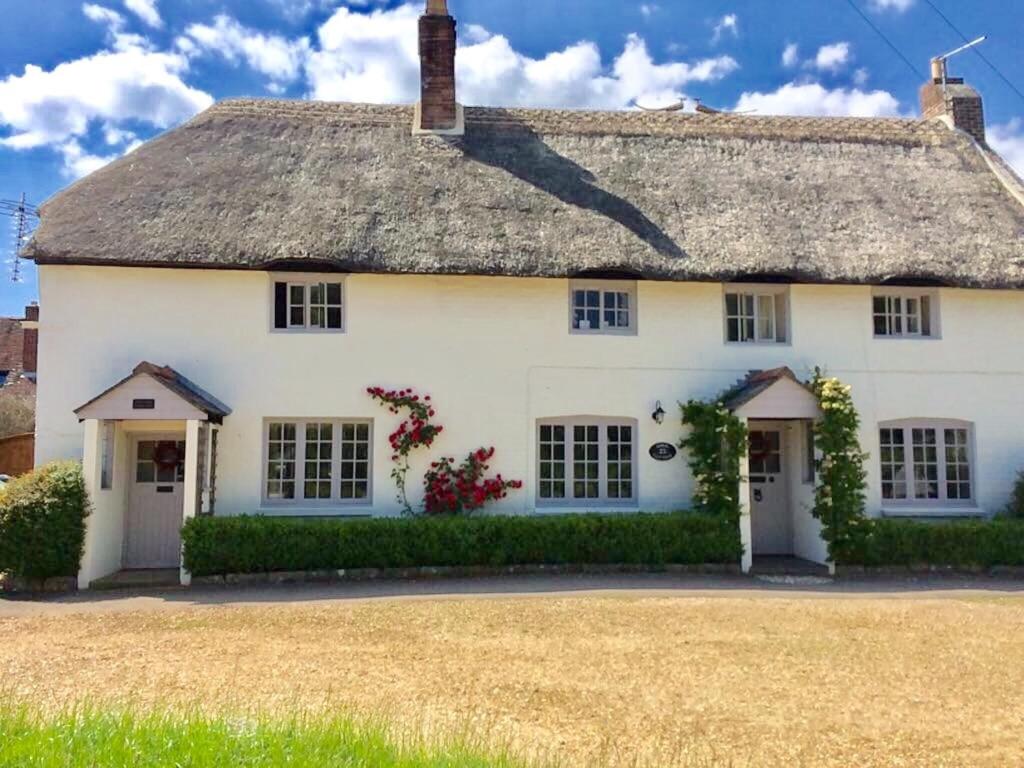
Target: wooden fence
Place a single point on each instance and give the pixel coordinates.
(17, 454)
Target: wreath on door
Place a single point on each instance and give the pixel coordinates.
(166, 454)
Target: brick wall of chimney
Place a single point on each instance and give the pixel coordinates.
(30, 341)
(437, 73)
(961, 103)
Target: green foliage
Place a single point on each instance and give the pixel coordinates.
(715, 446)
(217, 545)
(93, 738)
(840, 493)
(1015, 508)
(978, 543)
(42, 522)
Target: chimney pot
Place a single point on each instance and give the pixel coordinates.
(437, 8)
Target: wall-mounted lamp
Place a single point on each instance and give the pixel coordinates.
(659, 413)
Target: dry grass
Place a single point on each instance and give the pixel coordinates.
(622, 681)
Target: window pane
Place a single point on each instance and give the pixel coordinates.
(958, 469)
(894, 480)
(926, 316)
(765, 318)
(926, 464)
(552, 462)
(619, 462)
(319, 440)
(281, 453)
(586, 467)
(355, 461)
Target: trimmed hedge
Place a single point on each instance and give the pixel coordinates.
(42, 522)
(977, 543)
(220, 545)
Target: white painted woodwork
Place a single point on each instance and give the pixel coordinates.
(771, 507)
(117, 404)
(153, 517)
(784, 399)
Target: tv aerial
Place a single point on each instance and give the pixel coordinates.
(25, 218)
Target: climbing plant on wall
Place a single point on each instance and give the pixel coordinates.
(840, 491)
(715, 445)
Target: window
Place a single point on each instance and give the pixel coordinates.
(308, 305)
(107, 456)
(603, 306)
(148, 471)
(586, 461)
(317, 461)
(904, 314)
(926, 463)
(756, 315)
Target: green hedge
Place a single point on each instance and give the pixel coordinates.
(42, 522)
(981, 543)
(218, 545)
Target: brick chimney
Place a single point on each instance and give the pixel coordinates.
(949, 98)
(30, 340)
(437, 111)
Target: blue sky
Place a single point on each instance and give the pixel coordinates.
(83, 83)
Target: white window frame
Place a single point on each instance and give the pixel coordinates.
(779, 295)
(604, 287)
(305, 281)
(904, 294)
(602, 501)
(335, 501)
(912, 502)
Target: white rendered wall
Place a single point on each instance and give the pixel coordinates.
(496, 355)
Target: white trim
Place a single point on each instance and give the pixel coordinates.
(299, 502)
(780, 312)
(305, 280)
(603, 287)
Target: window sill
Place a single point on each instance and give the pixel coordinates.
(580, 332)
(906, 338)
(897, 512)
(758, 343)
(314, 511)
(569, 509)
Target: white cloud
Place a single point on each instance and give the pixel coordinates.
(145, 10)
(78, 162)
(1008, 140)
(727, 24)
(791, 55)
(279, 59)
(812, 99)
(890, 5)
(113, 20)
(832, 57)
(649, 9)
(374, 57)
(861, 76)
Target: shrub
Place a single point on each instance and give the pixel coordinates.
(978, 543)
(217, 545)
(42, 522)
(1015, 508)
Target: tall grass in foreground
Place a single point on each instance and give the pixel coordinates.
(91, 738)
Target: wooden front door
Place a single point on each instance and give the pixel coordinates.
(770, 516)
(155, 503)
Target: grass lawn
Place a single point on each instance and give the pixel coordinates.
(91, 739)
(705, 679)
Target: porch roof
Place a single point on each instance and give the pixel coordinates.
(749, 396)
(186, 391)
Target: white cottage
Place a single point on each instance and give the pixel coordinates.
(552, 279)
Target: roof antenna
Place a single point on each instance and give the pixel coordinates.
(939, 69)
(677, 107)
(25, 217)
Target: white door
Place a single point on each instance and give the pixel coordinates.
(770, 517)
(155, 503)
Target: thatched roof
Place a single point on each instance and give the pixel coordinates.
(253, 184)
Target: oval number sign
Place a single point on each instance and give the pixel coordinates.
(663, 451)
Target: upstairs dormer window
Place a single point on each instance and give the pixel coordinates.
(904, 313)
(308, 304)
(756, 314)
(602, 307)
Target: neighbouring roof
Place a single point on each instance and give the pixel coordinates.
(255, 184)
(188, 391)
(11, 345)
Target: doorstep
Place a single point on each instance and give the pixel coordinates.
(139, 579)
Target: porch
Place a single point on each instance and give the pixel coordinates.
(149, 458)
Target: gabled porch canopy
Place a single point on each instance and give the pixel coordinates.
(772, 394)
(149, 460)
(154, 392)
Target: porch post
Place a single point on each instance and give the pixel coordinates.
(746, 535)
(92, 452)
(192, 486)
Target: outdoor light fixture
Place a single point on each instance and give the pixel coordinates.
(659, 413)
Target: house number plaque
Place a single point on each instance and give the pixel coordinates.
(663, 451)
